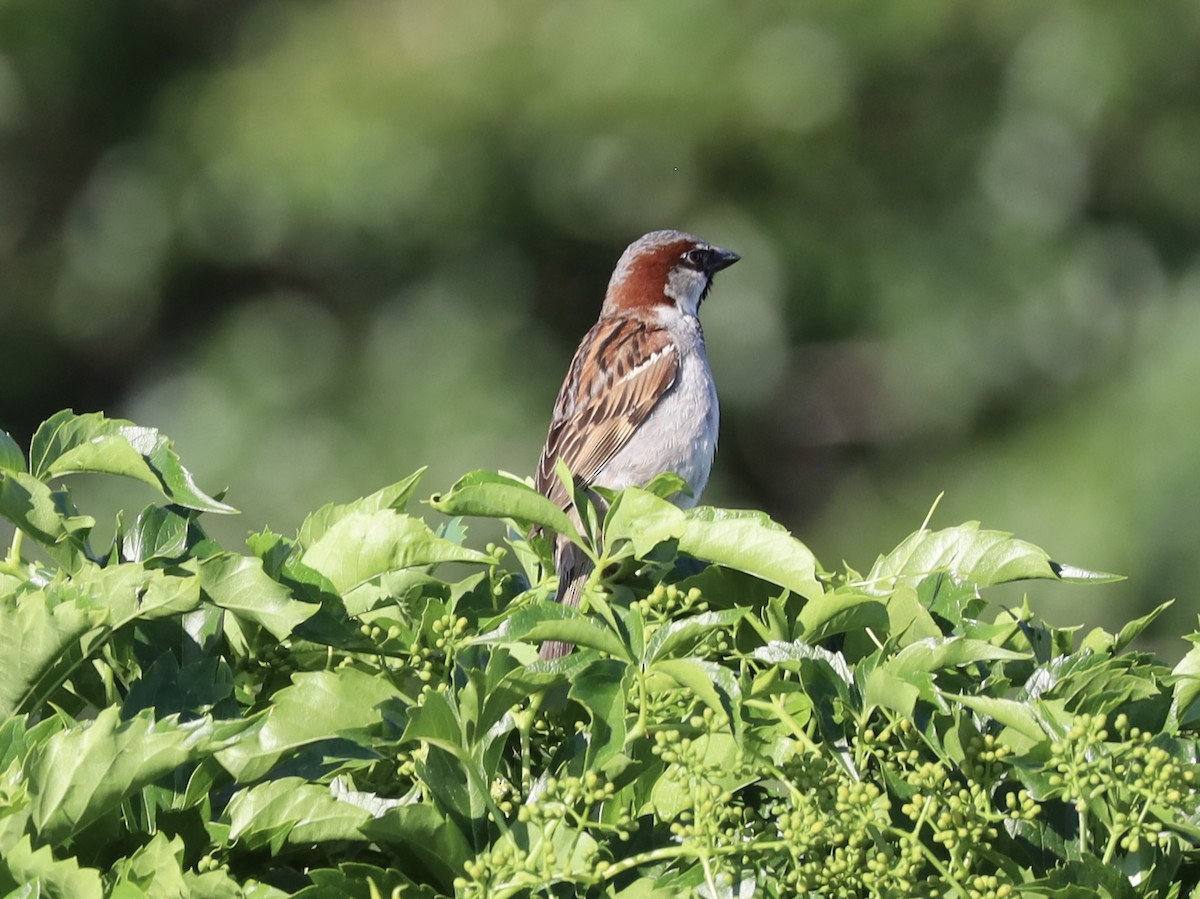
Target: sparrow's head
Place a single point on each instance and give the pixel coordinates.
(665, 268)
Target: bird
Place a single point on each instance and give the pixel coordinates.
(639, 398)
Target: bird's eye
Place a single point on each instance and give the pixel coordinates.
(696, 258)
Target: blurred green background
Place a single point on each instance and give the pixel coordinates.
(322, 244)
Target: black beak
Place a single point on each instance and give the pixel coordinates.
(719, 259)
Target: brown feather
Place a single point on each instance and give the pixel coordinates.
(589, 428)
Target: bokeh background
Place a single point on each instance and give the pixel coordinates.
(322, 244)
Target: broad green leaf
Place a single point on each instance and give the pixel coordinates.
(363, 545)
(46, 515)
(46, 633)
(908, 619)
(744, 541)
(751, 542)
(303, 813)
(487, 494)
(602, 688)
(887, 690)
(11, 457)
(38, 639)
(155, 870)
(437, 722)
(46, 877)
(711, 683)
(1185, 680)
(131, 591)
(82, 774)
(553, 621)
(840, 612)
(426, 833)
(642, 519)
(355, 880)
(1016, 715)
(937, 653)
(674, 634)
(973, 555)
(319, 705)
(239, 584)
(67, 443)
(157, 533)
(777, 651)
(394, 496)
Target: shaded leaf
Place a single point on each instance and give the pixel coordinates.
(239, 585)
(157, 533)
(317, 706)
(11, 457)
(554, 621)
(294, 811)
(81, 774)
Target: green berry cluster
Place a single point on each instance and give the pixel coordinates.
(1117, 784)
(667, 602)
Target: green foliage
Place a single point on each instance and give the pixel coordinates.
(339, 715)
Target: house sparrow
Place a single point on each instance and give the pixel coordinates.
(639, 399)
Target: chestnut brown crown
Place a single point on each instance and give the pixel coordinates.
(665, 268)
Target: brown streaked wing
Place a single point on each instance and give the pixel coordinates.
(588, 429)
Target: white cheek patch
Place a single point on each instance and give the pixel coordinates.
(685, 286)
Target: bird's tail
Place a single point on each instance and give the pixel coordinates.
(573, 567)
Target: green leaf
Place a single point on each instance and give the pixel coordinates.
(363, 545)
(1016, 715)
(354, 880)
(487, 494)
(45, 876)
(394, 496)
(11, 457)
(973, 555)
(685, 631)
(46, 633)
(239, 585)
(553, 621)
(424, 832)
(1185, 680)
(751, 542)
(936, 653)
(642, 519)
(711, 683)
(319, 705)
(602, 688)
(80, 775)
(155, 870)
(46, 515)
(841, 612)
(1134, 629)
(291, 810)
(67, 443)
(157, 533)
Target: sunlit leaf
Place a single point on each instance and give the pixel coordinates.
(361, 546)
(969, 553)
(395, 497)
(67, 443)
(491, 495)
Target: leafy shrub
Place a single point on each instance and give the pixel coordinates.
(329, 716)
